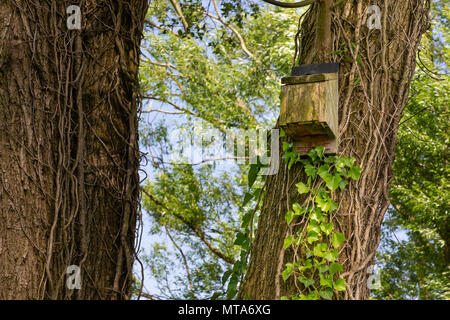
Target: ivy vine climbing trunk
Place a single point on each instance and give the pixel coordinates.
(68, 147)
(376, 67)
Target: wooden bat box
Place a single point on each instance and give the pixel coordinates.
(309, 111)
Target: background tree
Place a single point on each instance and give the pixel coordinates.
(68, 147)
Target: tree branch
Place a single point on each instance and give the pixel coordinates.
(198, 232)
(173, 105)
(180, 14)
(226, 24)
(290, 5)
(186, 265)
(162, 111)
(161, 28)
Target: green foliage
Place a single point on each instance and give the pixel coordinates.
(205, 75)
(243, 243)
(314, 233)
(196, 209)
(211, 74)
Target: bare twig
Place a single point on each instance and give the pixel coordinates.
(290, 4)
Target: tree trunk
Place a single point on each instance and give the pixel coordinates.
(376, 67)
(69, 155)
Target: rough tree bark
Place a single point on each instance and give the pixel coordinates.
(376, 69)
(68, 147)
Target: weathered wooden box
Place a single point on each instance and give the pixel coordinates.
(309, 111)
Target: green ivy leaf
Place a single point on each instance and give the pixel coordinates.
(308, 265)
(327, 228)
(313, 155)
(287, 272)
(320, 151)
(349, 162)
(247, 197)
(215, 296)
(289, 217)
(345, 162)
(292, 159)
(336, 267)
(337, 239)
(307, 281)
(327, 177)
(319, 249)
(327, 294)
(298, 210)
(313, 295)
(333, 205)
(246, 220)
(313, 226)
(237, 267)
(302, 188)
(286, 146)
(240, 238)
(245, 245)
(323, 203)
(232, 286)
(320, 201)
(288, 241)
(330, 255)
(316, 215)
(253, 174)
(305, 162)
(312, 237)
(323, 170)
(354, 172)
(322, 268)
(331, 159)
(226, 275)
(326, 281)
(310, 171)
(343, 184)
(333, 182)
(339, 285)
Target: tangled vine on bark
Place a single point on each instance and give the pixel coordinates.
(69, 147)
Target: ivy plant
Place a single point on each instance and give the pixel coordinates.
(310, 227)
(311, 230)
